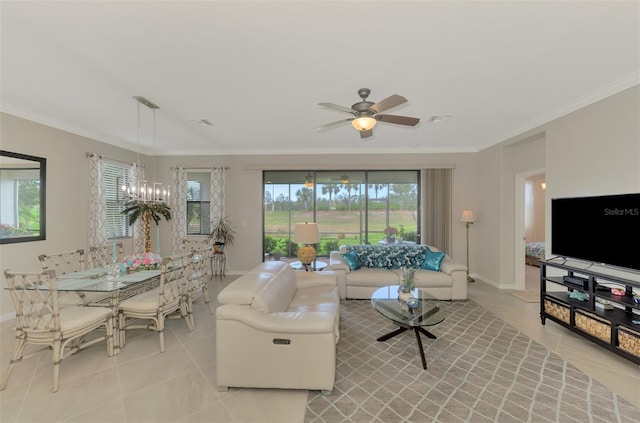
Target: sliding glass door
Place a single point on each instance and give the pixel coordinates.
(350, 207)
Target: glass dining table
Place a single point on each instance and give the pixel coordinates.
(106, 287)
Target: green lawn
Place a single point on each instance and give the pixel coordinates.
(341, 226)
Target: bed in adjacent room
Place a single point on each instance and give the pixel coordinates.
(534, 252)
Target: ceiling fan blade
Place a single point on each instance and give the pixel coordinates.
(366, 134)
(400, 120)
(336, 107)
(332, 124)
(388, 103)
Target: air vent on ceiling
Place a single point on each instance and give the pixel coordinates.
(201, 122)
(439, 118)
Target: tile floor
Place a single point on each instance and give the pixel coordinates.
(143, 385)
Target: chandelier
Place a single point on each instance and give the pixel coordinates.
(143, 190)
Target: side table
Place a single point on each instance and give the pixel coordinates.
(219, 264)
(315, 266)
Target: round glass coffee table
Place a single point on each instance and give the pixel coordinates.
(428, 312)
(316, 266)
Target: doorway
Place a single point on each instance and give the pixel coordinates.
(530, 227)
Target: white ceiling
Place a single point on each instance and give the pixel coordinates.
(257, 69)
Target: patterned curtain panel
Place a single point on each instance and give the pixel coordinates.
(178, 207)
(435, 201)
(137, 173)
(217, 204)
(97, 201)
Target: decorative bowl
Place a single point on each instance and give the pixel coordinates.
(413, 302)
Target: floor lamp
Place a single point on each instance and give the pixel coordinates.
(468, 219)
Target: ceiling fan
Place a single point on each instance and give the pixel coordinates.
(366, 113)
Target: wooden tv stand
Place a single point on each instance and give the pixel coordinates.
(612, 329)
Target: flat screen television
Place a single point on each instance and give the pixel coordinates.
(604, 230)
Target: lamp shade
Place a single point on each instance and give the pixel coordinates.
(467, 217)
(363, 123)
(306, 233)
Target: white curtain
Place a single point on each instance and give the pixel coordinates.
(217, 203)
(178, 207)
(435, 201)
(137, 173)
(97, 201)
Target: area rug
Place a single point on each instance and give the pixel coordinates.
(480, 369)
(527, 296)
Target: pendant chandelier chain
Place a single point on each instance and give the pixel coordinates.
(142, 190)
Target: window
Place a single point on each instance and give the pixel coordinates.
(115, 176)
(198, 203)
(350, 207)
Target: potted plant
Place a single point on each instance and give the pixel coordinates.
(223, 233)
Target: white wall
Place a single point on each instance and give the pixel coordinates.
(592, 151)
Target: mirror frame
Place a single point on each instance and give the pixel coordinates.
(43, 180)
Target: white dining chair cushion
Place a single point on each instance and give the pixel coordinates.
(146, 301)
(72, 318)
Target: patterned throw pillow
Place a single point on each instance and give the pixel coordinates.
(433, 260)
(351, 259)
(388, 256)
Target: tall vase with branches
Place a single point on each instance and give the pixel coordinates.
(147, 210)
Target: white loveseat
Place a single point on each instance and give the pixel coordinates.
(278, 328)
(379, 266)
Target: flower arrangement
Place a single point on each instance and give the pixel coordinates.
(142, 261)
(390, 231)
(390, 234)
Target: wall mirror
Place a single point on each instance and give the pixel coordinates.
(22, 197)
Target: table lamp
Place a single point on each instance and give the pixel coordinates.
(307, 234)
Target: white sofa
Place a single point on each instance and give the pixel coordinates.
(278, 328)
(449, 283)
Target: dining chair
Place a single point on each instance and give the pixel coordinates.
(61, 264)
(102, 255)
(158, 304)
(198, 282)
(41, 321)
(195, 244)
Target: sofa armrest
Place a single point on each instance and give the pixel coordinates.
(336, 262)
(338, 265)
(449, 266)
(280, 322)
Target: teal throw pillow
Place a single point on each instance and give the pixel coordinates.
(433, 260)
(351, 259)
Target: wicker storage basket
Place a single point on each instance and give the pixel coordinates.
(629, 340)
(558, 310)
(593, 325)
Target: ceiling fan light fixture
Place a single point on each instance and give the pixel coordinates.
(308, 181)
(364, 123)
